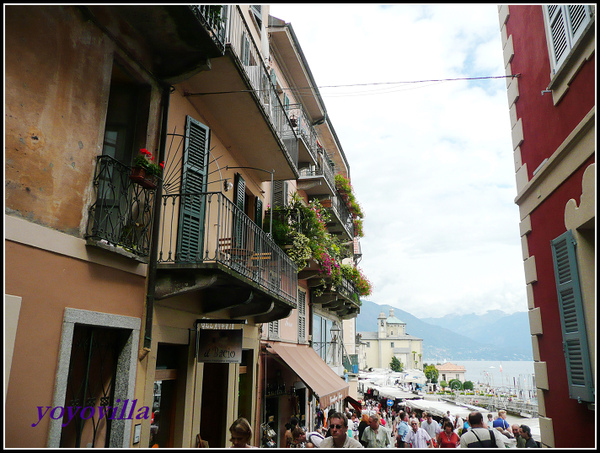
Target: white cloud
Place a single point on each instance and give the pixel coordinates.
(431, 163)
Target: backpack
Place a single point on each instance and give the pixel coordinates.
(488, 443)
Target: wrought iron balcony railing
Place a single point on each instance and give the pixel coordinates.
(206, 228)
(239, 38)
(122, 214)
(213, 18)
(303, 127)
(343, 214)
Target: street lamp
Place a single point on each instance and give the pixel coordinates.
(335, 332)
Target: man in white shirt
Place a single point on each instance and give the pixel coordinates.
(479, 436)
(418, 437)
(431, 426)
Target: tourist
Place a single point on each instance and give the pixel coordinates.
(525, 433)
(490, 422)
(478, 435)
(501, 420)
(338, 423)
(241, 433)
(448, 438)
(516, 433)
(418, 437)
(364, 422)
(375, 436)
(402, 430)
(431, 426)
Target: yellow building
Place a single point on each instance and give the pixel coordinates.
(390, 340)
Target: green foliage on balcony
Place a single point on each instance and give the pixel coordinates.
(301, 230)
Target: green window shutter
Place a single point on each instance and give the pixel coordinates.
(570, 301)
(193, 182)
(258, 212)
(239, 199)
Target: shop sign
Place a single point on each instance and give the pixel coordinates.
(219, 342)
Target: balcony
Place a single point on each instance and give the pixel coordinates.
(245, 109)
(181, 39)
(318, 180)
(121, 217)
(342, 299)
(342, 220)
(208, 246)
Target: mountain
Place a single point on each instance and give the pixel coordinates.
(494, 335)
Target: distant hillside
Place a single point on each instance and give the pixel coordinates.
(492, 336)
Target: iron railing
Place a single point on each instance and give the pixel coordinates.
(214, 19)
(122, 214)
(343, 213)
(205, 228)
(303, 127)
(239, 39)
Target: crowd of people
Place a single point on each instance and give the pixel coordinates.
(383, 427)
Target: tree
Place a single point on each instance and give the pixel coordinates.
(443, 384)
(468, 385)
(396, 365)
(455, 384)
(431, 373)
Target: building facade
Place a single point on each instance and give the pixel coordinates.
(449, 371)
(391, 340)
(153, 299)
(550, 52)
(304, 360)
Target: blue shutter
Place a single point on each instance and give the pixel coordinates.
(193, 183)
(570, 302)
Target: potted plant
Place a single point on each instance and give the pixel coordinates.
(145, 171)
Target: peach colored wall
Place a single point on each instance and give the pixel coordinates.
(52, 132)
(47, 283)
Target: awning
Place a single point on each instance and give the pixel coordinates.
(313, 371)
(355, 404)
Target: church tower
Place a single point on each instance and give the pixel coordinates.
(382, 325)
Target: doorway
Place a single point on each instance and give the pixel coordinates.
(213, 424)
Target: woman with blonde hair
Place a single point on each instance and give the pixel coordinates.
(241, 433)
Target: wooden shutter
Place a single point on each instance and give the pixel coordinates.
(558, 33)
(570, 302)
(280, 191)
(239, 199)
(258, 205)
(301, 315)
(191, 216)
(566, 24)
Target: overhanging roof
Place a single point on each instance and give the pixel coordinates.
(313, 371)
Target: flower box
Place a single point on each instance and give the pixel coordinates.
(139, 176)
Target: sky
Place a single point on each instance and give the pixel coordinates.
(431, 163)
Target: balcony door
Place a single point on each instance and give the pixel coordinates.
(193, 184)
(124, 133)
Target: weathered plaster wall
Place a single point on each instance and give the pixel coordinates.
(56, 66)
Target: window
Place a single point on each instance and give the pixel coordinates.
(570, 304)
(274, 329)
(392, 344)
(565, 24)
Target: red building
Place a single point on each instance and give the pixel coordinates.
(551, 51)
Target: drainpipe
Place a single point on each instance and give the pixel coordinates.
(152, 261)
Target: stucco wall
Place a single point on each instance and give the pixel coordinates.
(47, 283)
(57, 80)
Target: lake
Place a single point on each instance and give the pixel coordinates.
(514, 373)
